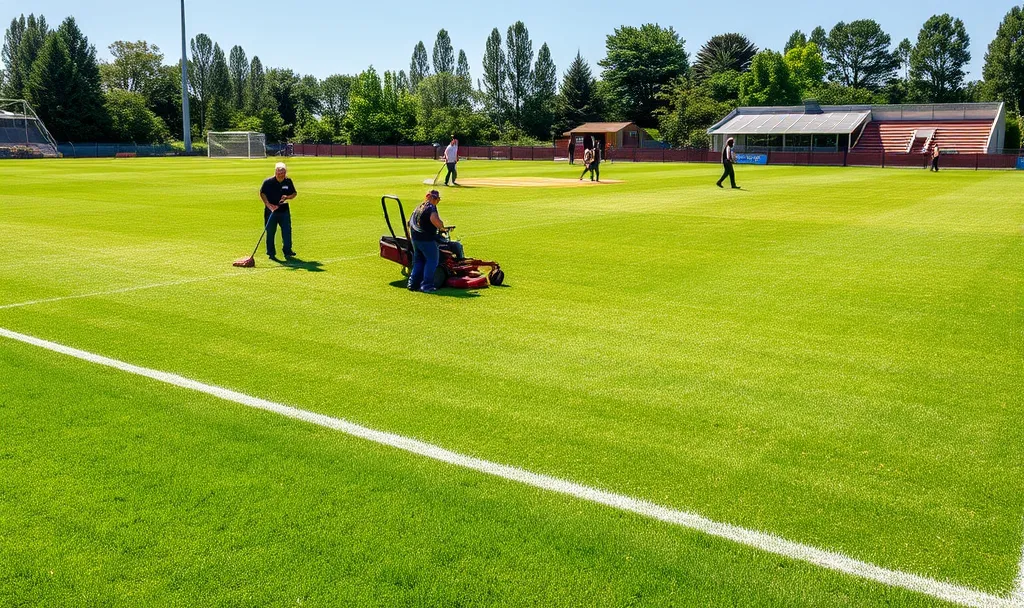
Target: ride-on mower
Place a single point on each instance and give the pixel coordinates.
(452, 271)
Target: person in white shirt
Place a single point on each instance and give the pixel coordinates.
(451, 159)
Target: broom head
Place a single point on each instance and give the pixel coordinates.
(248, 262)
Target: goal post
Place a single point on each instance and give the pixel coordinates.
(22, 133)
(236, 144)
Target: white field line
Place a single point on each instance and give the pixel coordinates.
(1017, 597)
(759, 540)
(212, 277)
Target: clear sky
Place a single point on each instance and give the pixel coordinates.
(324, 37)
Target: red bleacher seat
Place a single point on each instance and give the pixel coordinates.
(965, 136)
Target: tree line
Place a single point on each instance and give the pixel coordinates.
(646, 77)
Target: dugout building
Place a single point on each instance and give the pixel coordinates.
(961, 128)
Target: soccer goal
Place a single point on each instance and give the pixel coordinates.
(22, 133)
(236, 144)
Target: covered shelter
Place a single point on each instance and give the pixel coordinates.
(810, 128)
(905, 129)
(606, 135)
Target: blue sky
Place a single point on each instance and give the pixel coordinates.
(321, 37)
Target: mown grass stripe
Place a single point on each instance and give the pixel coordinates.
(759, 540)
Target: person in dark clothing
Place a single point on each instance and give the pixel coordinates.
(728, 159)
(275, 193)
(572, 150)
(425, 226)
(935, 158)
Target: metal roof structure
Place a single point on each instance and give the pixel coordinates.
(794, 123)
(599, 127)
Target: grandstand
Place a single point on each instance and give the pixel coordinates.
(966, 128)
(22, 133)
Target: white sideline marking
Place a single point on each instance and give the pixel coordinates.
(759, 540)
(1017, 597)
(226, 275)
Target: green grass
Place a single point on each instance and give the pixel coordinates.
(832, 355)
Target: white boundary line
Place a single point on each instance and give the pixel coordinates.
(759, 540)
(212, 277)
(1017, 597)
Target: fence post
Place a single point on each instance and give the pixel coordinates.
(663, 155)
(490, 152)
(977, 157)
(634, 155)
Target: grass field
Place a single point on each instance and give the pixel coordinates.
(831, 355)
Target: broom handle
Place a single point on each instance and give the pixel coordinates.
(269, 217)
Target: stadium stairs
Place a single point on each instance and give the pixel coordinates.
(965, 137)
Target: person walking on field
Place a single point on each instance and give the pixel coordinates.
(275, 193)
(451, 159)
(728, 159)
(935, 158)
(572, 150)
(588, 163)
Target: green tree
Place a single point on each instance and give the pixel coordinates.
(462, 69)
(938, 60)
(819, 37)
(494, 86)
(723, 53)
(334, 96)
(51, 79)
(403, 82)
(220, 110)
(691, 109)
(308, 96)
(1004, 61)
(577, 101)
(540, 107)
(903, 51)
(796, 39)
(858, 54)
(85, 94)
(280, 86)
(806, 66)
(131, 119)
(256, 97)
(835, 94)
(135, 67)
(238, 65)
(29, 47)
(519, 71)
(640, 61)
(444, 54)
(379, 115)
(164, 97)
(14, 77)
(200, 70)
(419, 67)
(769, 82)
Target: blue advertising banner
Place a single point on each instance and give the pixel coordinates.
(1020, 163)
(751, 159)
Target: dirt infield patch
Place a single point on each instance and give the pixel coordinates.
(522, 182)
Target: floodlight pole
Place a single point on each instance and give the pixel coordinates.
(186, 122)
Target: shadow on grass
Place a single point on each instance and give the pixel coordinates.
(298, 264)
(445, 292)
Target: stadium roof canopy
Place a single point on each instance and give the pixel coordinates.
(790, 123)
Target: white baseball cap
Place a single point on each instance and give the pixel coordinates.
(280, 166)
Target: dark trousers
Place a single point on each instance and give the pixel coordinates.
(424, 263)
(452, 173)
(935, 164)
(572, 156)
(728, 173)
(595, 171)
(283, 218)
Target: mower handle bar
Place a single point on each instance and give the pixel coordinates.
(401, 212)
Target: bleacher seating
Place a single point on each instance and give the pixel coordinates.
(964, 137)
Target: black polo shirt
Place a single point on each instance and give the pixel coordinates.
(274, 190)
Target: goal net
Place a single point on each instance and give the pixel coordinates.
(236, 144)
(22, 133)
